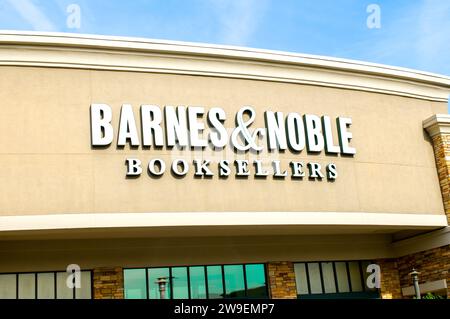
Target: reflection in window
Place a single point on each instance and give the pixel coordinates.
(256, 280)
(234, 281)
(198, 282)
(215, 282)
(158, 283)
(135, 283)
(180, 289)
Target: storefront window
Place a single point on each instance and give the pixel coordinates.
(8, 286)
(215, 282)
(135, 283)
(198, 282)
(340, 279)
(156, 279)
(27, 286)
(234, 281)
(44, 285)
(180, 286)
(329, 284)
(256, 280)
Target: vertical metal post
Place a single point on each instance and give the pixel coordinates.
(415, 278)
(162, 287)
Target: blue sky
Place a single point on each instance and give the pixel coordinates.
(413, 33)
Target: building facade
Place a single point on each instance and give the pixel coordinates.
(176, 170)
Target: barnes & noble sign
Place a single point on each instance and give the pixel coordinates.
(196, 128)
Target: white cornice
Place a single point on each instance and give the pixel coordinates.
(437, 124)
(189, 219)
(143, 55)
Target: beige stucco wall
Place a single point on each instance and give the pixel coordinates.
(47, 165)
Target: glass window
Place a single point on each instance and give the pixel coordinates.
(328, 277)
(301, 279)
(84, 292)
(158, 283)
(180, 283)
(46, 285)
(8, 286)
(342, 278)
(62, 290)
(197, 281)
(364, 265)
(215, 282)
(135, 284)
(314, 278)
(355, 276)
(256, 281)
(234, 281)
(27, 286)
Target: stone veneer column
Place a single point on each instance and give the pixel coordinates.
(433, 265)
(390, 279)
(282, 280)
(108, 283)
(438, 127)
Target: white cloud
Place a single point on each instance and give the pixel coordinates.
(32, 14)
(238, 19)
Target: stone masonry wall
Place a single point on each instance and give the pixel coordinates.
(108, 283)
(282, 280)
(390, 279)
(441, 146)
(433, 264)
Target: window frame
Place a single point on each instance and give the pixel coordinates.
(348, 277)
(55, 290)
(205, 266)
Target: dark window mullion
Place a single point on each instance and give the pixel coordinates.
(245, 280)
(189, 282)
(147, 295)
(17, 286)
(35, 285)
(223, 281)
(363, 283)
(55, 285)
(321, 277)
(307, 278)
(348, 277)
(266, 284)
(170, 283)
(74, 284)
(335, 277)
(206, 282)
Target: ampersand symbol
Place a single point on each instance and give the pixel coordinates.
(242, 128)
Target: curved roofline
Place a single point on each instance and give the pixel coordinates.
(439, 84)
